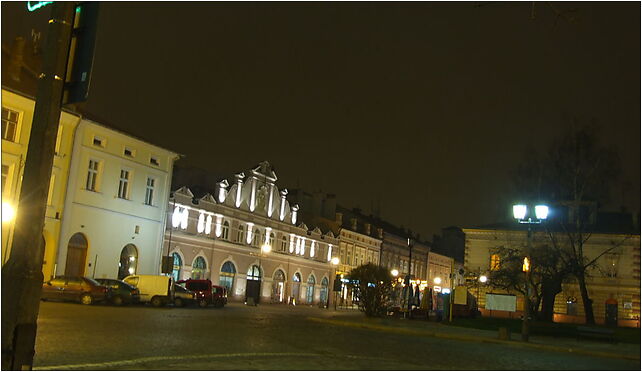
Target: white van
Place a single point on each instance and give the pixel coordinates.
(155, 289)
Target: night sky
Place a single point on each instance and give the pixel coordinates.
(421, 108)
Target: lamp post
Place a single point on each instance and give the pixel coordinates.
(523, 214)
(410, 243)
(265, 248)
(481, 279)
(335, 262)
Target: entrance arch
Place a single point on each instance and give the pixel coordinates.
(296, 286)
(76, 255)
(226, 278)
(128, 261)
(309, 294)
(278, 286)
(253, 285)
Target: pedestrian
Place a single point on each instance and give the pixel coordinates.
(440, 307)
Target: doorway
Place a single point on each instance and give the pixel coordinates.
(76, 255)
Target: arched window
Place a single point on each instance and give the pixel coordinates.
(284, 244)
(309, 295)
(178, 263)
(226, 230)
(256, 237)
(241, 234)
(199, 268)
(128, 261)
(278, 286)
(254, 273)
(494, 262)
(324, 291)
(271, 240)
(296, 278)
(227, 276)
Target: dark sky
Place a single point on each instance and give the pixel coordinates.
(424, 107)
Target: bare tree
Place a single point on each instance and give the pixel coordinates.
(577, 174)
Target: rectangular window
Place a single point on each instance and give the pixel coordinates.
(98, 142)
(92, 175)
(154, 161)
(149, 192)
(123, 185)
(129, 152)
(5, 174)
(9, 124)
(58, 139)
(51, 189)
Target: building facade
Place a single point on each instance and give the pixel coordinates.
(439, 272)
(17, 116)
(116, 199)
(248, 238)
(615, 277)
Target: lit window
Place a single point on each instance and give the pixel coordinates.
(200, 225)
(123, 185)
(184, 218)
(494, 262)
(226, 230)
(9, 124)
(149, 191)
(241, 234)
(92, 175)
(5, 174)
(312, 250)
(208, 224)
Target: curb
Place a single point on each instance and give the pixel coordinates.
(415, 332)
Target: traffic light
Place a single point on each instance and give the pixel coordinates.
(81, 53)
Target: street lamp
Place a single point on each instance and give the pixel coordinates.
(394, 272)
(523, 214)
(335, 262)
(482, 279)
(265, 248)
(8, 212)
(437, 280)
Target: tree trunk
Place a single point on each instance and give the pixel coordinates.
(586, 301)
(550, 289)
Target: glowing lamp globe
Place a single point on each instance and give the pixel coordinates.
(394, 272)
(541, 211)
(519, 211)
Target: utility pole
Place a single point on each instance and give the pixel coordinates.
(22, 274)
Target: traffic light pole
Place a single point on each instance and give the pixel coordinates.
(22, 274)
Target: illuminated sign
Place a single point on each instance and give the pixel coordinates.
(32, 6)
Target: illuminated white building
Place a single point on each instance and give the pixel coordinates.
(114, 212)
(246, 236)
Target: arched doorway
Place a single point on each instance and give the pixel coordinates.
(76, 255)
(178, 264)
(324, 291)
(128, 261)
(199, 268)
(309, 293)
(253, 287)
(226, 279)
(296, 286)
(278, 286)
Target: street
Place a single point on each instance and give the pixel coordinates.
(266, 337)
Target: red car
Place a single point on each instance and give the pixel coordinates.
(206, 292)
(74, 288)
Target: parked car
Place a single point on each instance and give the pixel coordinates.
(121, 292)
(155, 289)
(183, 296)
(206, 292)
(74, 288)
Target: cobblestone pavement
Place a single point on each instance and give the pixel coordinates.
(271, 337)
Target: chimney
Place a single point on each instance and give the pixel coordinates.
(329, 206)
(353, 224)
(367, 228)
(338, 218)
(379, 232)
(17, 58)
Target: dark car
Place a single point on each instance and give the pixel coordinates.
(74, 288)
(183, 296)
(121, 292)
(206, 293)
